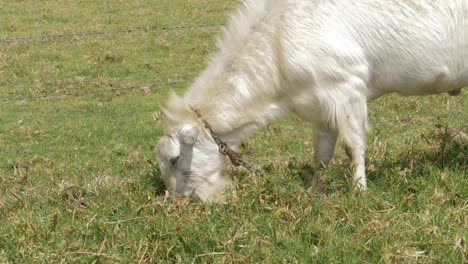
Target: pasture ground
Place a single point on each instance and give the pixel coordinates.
(78, 183)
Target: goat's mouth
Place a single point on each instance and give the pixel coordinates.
(200, 193)
(214, 196)
(207, 189)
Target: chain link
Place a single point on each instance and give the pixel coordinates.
(249, 167)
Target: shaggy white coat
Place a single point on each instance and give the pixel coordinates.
(321, 59)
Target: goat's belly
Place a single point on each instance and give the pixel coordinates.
(418, 82)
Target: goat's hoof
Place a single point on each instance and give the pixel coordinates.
(360, 185)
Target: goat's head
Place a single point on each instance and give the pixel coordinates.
(191, 163)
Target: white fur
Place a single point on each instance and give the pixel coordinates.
(322, 60)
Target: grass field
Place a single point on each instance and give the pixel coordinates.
(80, 115)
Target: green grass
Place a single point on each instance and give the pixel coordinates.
(78, 182)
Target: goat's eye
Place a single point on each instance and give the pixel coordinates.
(174, 160)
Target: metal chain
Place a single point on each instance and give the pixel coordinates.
(250, 167)
(224, 149)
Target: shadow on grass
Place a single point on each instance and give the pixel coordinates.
(155, 179)
(448, 155)
(442, 155)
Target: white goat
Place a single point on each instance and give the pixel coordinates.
(322, 60)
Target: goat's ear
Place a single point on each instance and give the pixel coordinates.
(188, 134)
(172, 109)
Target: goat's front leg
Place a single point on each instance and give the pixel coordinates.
(356, 153)
(324, 140)
(352, 123)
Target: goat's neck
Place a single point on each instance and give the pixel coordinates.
(238, 92)
(239, 106)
